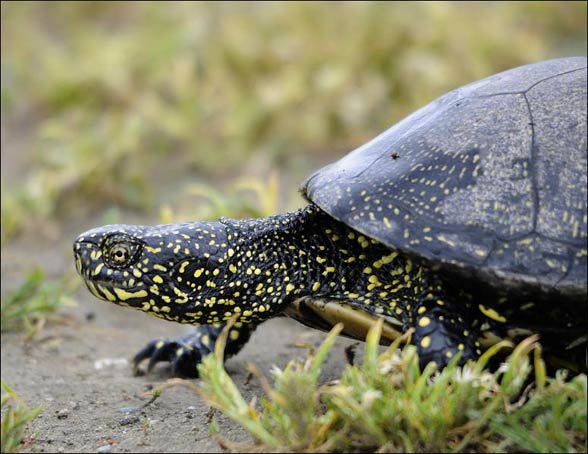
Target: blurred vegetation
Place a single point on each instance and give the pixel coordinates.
(389, 405)
(15, 417)
(36, 299)
(104, 103)
(245, 197)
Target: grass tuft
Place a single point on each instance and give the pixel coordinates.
(15, 417)
(29, 306)
(388, 404)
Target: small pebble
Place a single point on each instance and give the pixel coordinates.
(129, 420)
(105, 448)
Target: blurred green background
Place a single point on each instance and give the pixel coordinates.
(113, 112)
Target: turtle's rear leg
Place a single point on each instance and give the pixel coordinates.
(186, 352)
(443, 330)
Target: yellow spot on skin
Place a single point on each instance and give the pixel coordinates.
(97, 269)
(321, 260)
(199, 272)
(107, 294)
(157, 279)
(387, 222)
(137, 273)
(289, 288)
(460, 347)
(157, 266)
(449, 354)
(440, 302)
(232, 268)
(124, 295)
(425, 341)
(374, 279)
(421, 310)
(234, 334)
(424, 321)
(491, 313)
(408, 266)
(316, 286)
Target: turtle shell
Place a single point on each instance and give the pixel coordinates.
(489, 179)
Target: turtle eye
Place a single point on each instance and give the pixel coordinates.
(121, 253)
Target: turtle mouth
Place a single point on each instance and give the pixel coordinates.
(119, 293)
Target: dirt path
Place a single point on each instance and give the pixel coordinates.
(85, 407)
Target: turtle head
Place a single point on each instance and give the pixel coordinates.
(171, 271)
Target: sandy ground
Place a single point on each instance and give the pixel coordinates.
(86, 408)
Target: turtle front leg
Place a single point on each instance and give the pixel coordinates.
(186, 352)
(442, 330)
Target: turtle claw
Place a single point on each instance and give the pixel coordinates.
(186, 352)
(181, 353)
